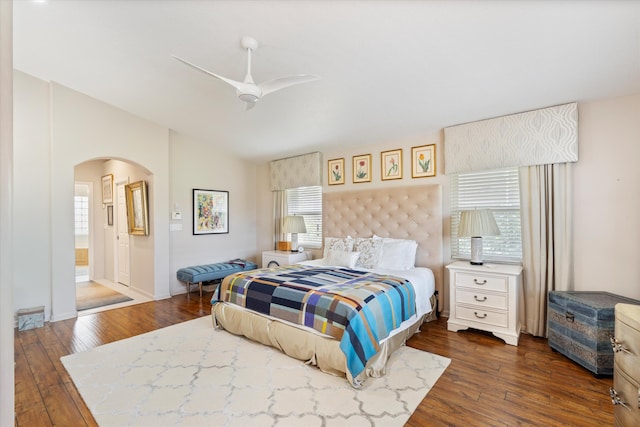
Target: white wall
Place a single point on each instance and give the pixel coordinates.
(606, 193)
(607, 197)
(199, 165)
(32, 194)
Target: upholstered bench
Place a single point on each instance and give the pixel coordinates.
(205, 273)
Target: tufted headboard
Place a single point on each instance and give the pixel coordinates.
(413, 212)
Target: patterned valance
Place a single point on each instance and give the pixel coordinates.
(538, 137)
(298, 171)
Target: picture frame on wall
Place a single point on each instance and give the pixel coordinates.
(137, 208)
(391, 164)
(423, 161)
(362, 168)
(110, 215)
(210, 212)
(107, 189)
(336, 171)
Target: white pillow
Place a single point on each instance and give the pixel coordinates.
(341, 258)
(338, 244)
(398, 254)
(369, 252)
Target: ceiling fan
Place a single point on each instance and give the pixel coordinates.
(247, 90)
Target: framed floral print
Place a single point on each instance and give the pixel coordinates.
(210, 212)
(423, 161)
(362, 168)
(336, 171)
(391, 164)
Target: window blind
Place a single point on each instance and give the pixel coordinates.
(499, 191)
(307, 202)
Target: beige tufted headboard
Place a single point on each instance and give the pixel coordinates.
(413, 212)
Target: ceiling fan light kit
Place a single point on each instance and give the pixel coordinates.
(247, 91)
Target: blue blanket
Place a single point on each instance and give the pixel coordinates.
(357, 308)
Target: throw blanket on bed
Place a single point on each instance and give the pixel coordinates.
(357, 308)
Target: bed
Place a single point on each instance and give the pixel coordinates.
(365, 218)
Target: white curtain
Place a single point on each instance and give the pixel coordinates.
(279, 213)
(547, 249)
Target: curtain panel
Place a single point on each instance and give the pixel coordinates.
(539, 137)
(547, 236)
(298, 171)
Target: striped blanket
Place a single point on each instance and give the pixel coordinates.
(357, 308)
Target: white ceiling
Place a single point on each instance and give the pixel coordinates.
(390, 69)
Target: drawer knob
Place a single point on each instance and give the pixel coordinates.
(478, 316)
(615, 398)
(475, 297)
(618, 347)
(478, 282)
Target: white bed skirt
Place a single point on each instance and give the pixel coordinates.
(312, 348)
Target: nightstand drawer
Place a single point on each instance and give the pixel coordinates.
(482, 281)
(468, 296)
(477, 314)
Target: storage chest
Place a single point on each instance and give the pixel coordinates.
(581, 325)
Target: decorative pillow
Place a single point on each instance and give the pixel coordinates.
(398, 254)
(341, 258)
(337, 244)
(369, 252)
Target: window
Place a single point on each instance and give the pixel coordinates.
(81, 215)
(307, 201)
(499, 191)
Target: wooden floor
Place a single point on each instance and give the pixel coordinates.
(488, 383)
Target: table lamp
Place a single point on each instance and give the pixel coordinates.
(294, 224)
(475, 224)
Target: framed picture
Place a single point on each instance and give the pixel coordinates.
(336, 171)
(109, 214)
(210, 212)
(391, 164)
(137, 208)
(107, 189)
(362, 168)
(423, 161)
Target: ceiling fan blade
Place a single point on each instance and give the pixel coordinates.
(283, 82)
(234, 83)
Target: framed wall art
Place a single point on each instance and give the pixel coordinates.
(336, 171)
(107, 189)
(210, 212)
(137, 208)
(391, 164)
(423, 161)
(362, 168)
(109, 214)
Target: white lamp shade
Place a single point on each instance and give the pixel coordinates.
(477, 223)
(294, 224)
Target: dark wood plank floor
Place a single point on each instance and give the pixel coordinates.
(488, 383)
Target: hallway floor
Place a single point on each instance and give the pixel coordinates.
(82, 275)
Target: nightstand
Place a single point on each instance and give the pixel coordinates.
(485, 297)
(281, 258)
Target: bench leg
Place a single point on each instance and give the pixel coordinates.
(200, 284)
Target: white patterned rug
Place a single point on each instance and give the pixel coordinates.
(191, 374)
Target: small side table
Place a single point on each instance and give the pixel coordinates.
(485, 297)
(282, 258)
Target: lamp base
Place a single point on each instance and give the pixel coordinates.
(294, 242)
(476, 251)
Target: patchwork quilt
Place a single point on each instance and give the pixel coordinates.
(357, 308)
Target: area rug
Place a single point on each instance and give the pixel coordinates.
(192, 374)
(93, 295)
